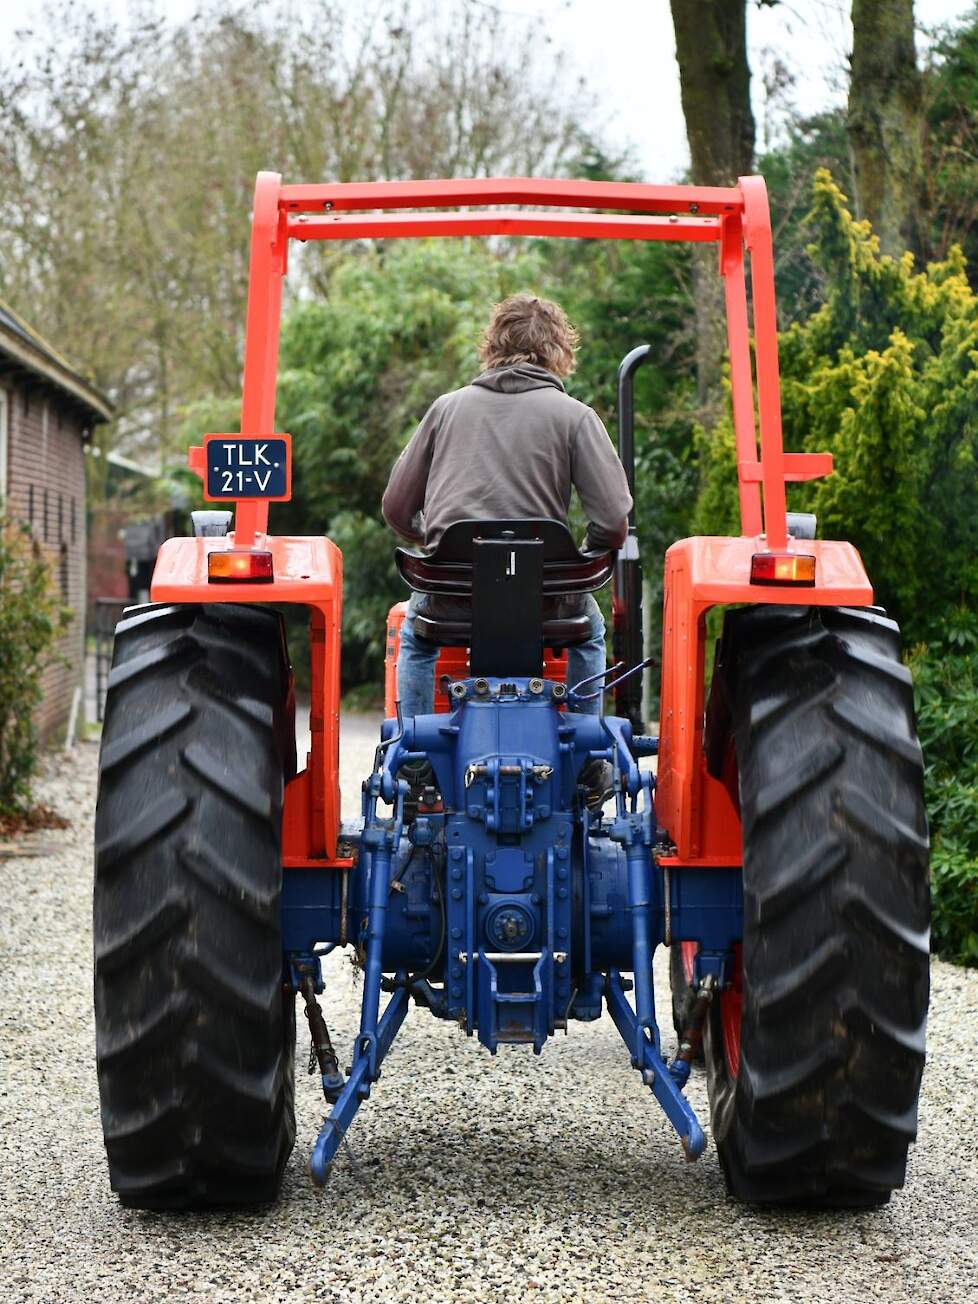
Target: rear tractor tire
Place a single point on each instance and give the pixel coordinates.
(195, 1030)
(815, 1052)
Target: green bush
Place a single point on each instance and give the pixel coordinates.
(31, 620)
(946, 686)
(883, 376)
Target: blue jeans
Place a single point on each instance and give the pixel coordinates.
(417, 657)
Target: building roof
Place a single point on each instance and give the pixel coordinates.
(29, 350)
(135, 468)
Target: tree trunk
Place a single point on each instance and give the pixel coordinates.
(884, 121)
(714, 76)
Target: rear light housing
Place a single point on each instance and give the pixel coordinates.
(239, 566)
(788, 569)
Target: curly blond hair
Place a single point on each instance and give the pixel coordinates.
(524, 328)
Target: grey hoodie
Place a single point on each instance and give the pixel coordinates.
(512, 444)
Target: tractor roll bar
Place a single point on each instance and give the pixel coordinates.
(736, 217)
(629, 196)
(607, 226)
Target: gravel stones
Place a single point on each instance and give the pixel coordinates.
(468, 1177)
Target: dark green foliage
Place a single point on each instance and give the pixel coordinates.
(31, 620)
(371, 586)
(946, 684)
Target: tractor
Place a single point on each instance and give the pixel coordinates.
(771, 833)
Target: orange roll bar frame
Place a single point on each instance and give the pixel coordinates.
(736, 217)
(700, 573)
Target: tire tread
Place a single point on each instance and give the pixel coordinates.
(195, 1032)
(818, 708)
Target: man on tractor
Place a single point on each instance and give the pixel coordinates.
(510, 445)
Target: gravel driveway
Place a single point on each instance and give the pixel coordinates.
(471, 1177)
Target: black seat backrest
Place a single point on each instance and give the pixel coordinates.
(456, 542)
(448, 570)
(505, 569)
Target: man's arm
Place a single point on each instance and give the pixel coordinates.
(600, 480)
(404, 496)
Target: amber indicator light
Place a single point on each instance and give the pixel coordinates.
(788, 568)
(239, 567)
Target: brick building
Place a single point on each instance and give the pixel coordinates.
(47, 413)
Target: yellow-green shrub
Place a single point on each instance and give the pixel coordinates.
(884, 377)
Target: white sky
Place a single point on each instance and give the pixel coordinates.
(626, 49)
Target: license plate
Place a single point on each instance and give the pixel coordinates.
(247, 468)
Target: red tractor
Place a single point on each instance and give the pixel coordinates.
(780, 849)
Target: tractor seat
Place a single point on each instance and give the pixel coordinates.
(452, 573)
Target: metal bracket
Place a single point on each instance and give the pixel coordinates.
(514, 957)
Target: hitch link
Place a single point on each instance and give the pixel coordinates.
(692, 1037)
(322, 1046)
